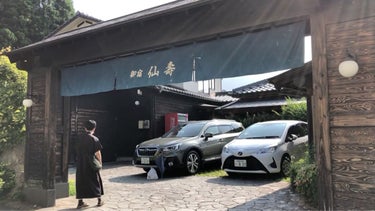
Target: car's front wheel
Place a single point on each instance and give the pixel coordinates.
(193, 162)
(285, 166)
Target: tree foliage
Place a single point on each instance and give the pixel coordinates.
(7, 179)
(294, 109)
(12, 113)
(303, 178)
(26, 21)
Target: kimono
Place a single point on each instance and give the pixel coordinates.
(88, 181)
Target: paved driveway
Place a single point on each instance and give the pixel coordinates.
(127, 188)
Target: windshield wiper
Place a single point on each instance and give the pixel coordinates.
(260, 137)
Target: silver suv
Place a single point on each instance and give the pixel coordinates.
(187, 146)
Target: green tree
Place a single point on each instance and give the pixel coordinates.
(12, 113)
(26, 21)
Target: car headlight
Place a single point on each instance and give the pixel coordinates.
(171, 148)
(226, 150)
(267, 150)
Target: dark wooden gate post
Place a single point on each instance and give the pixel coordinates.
(41, 139)
(320, 107)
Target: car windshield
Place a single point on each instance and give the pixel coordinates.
(189, 130)
(268, 130)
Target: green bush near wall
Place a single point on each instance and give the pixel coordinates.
(7, 180)
(303, 178)
(12, 112)
(258, 117)
(293, 110)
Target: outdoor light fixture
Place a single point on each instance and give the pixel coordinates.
(28, 101)
(349, 67)
(137, 103)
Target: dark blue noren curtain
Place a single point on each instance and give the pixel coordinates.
(249, 53)
(87, 79)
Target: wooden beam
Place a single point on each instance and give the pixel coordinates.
(320, 107)
(66, 135)
(50, 129)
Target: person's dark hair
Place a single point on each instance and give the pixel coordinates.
(90, 124)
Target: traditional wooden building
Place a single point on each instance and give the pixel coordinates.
(204, 39)
(127, 117)
(260, 97)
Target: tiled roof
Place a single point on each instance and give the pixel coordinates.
(225, 98)
(260, 86)
(254, 104)
(171, 89)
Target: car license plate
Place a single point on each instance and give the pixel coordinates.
(145, 160)
(240, 163)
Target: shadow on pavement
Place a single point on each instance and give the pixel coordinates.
(283, 199)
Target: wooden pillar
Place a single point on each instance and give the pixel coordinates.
(66, 135)
(320, 107)
(41, 139)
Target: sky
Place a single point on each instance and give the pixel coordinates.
(109, 9)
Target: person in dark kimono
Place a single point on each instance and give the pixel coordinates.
(88, 181)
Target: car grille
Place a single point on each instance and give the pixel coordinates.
(147, 151)
(253, 164)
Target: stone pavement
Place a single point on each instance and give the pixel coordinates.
(127, 188)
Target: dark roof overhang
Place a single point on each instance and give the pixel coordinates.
(295, 82)
(178, 23)
(20, 53)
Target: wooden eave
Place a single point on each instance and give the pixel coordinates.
(295, 82)
(77, 17)
(177, 23)
(106, 26)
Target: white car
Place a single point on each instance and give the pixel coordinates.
(265, 147)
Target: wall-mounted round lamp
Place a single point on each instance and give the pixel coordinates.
(30, 100)
(137, 103)
(27, 103)
(348, 68)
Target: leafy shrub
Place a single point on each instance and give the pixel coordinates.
(12, 113)
(303, 178)
(72, 187)
(294, 109)
(7, 179)
(258, 117)
(12, 116)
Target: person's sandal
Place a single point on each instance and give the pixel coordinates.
(82, 205)
(100, 203)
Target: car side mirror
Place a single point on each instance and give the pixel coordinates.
(208, 135)
(291, 137)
